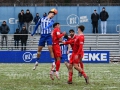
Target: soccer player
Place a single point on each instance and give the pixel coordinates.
(56, 35)
(77, 55)
(46, 25)
(72, 37)
(65, 49)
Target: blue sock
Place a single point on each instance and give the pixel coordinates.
(53, 60)
(37, 59)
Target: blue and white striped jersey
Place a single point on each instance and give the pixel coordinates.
(45, 22)
(46, 25)
(64, 48)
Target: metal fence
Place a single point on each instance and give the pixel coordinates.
(59, 4)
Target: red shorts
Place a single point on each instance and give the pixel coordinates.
(73, 60)
(56, 50)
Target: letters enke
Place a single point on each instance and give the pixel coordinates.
(95, 57)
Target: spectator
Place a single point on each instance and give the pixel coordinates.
(21, 18)
(37, 17)
(45, 14)
(16, 38)
(23, 37)
(4, 30)
(103, 16)
(95, 18)
(28, 19)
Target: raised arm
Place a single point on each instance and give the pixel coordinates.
(36, 27)
(68, 42)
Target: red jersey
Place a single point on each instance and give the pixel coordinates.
(72, 39)
(78, 44)
(56, 35)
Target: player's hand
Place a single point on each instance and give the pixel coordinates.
(68, 52)
(76, 57)
(63, 42)
(64, 33)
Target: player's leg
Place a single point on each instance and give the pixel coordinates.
(70, 73)
(79, 69)
(65, 58)
(70, 69)
(38, 56)
(50, 48)
(66, 64)
(53, 66)
(40, 46)
(57, 63)
(82, 66)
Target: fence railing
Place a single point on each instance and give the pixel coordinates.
(60, 4)
(110, 42)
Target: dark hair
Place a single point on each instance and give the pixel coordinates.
(71, 30)
(55, 24)
(17, 30)
(51, 12)
(22, 10)
(27, 10)
(81, 27)
(4, 21)
(66, 36)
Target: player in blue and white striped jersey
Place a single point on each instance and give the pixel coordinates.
(65, 51)
(46, 29)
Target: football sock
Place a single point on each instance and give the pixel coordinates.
(82, 65)
(57, 65)
(70, 76)
(84, 74)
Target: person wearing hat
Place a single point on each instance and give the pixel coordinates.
(28, 19)
(95, 18)
(104, 16)
(46, 31)
(23, 38)
(21, 19)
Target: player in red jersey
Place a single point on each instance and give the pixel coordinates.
(77, 55)
(72, 37)
(56, 35)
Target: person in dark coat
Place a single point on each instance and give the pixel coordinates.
(21, 18)
(104, 16)
(17, 38)
(4, 30)
(95, 18)
(23, 37)
(28, 19)
(36, 19)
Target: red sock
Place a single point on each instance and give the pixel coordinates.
(84, 74)
(82, 65)
(57, 65)
(70, 76)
